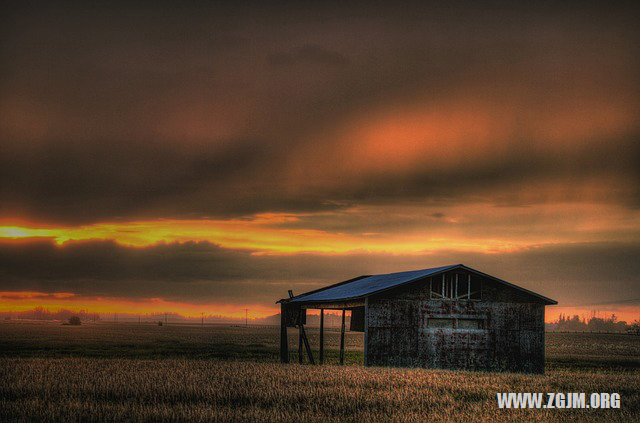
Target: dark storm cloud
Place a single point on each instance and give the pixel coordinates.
(193, 271)
(191, 110)
(308, 54)
(106, 180)
(574, 274)
(492, 177)
(80, 183)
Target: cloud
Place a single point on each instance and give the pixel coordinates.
(311, 54)
(573, 274)
(129, 114)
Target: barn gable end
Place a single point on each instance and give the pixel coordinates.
(502, 330)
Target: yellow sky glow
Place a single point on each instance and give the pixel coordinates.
(464, 227)
(256, 235)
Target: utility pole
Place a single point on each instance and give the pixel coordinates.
(246, 320)
(202, 316)
(165, 318)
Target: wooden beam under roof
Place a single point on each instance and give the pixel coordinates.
(333, 305)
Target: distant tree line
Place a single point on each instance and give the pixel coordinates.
(40, 313)
(574, 323)
(331, 319)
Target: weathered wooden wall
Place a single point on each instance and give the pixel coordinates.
(510, 333)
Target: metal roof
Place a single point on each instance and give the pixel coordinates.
(367, 285)
(364, 286)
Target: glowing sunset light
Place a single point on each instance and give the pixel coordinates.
(22, 301)
(461, 228)
(16, 232)
(273, 241)
(258, 234)
(239, 235)
(626, 313)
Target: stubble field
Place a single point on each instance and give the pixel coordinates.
(116, 372)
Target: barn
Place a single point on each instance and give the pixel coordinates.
(451, 317)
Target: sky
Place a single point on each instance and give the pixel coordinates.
(206, 157)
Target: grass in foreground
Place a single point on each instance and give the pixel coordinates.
(118, 372)
(93, 389)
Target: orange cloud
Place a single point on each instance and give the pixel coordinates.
(406, 138)
(468, 125)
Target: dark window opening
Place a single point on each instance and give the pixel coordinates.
(436, 288)
(475, 289)
(357, 320)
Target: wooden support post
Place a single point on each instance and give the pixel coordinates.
(455, 295)
(300, 344)
(284, 339)
(306, 344)
(366, 329)
(301, 334)
(342, 339)
(321, 354)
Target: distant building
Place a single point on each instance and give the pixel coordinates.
(450, 317)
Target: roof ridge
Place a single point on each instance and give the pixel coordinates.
(419, 270)
(366, 285)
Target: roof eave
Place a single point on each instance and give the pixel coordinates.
(285, 300)
(340, 300)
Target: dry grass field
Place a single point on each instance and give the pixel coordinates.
(123, 372)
